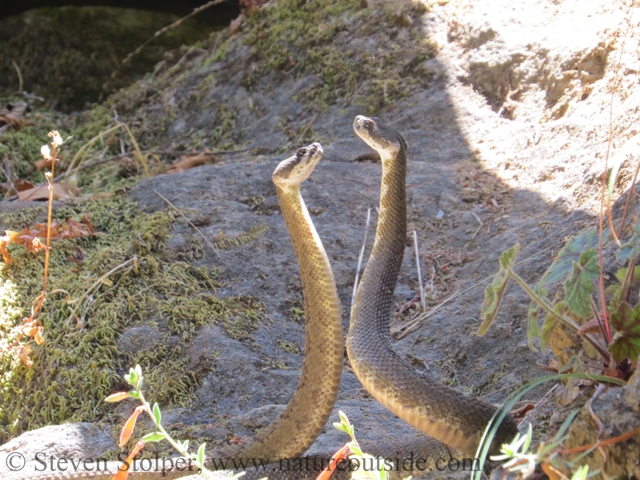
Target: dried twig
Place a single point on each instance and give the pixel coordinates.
(364, 244)
(188, 221)
(168, 27)
(20, 82)
(479, 228)
(306, 128)
(423, 301)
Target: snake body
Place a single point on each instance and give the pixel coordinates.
(293, 432)
(441, 412)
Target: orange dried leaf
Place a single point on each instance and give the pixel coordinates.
(117, 397)
(23, 355)
(130, 424)
(337, 457)
(191, 161)
(123, 471)
(550, 471)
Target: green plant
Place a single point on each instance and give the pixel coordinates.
(607, 321)
(134, 378)
(602, 325)
(363, 465)
(548, 454)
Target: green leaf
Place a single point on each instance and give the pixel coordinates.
(571, 253)
(134, 394)
(153, 437)
(201, 454)
(579, 287)
(355, 450)
(508, 257)
(626, 343)
(495, 291)
(581, 473)
(157, 415)
(631, 249)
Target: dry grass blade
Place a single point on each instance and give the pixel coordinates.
(215, 250)
(167, 28)
(359, 266)
(20, 81)
(131, 264)
(423, 301)
(413, 323)
(83, 152)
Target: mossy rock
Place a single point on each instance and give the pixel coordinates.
(67, 55)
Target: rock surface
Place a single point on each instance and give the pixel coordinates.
(506, 143)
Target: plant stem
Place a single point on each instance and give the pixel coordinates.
(541, 301)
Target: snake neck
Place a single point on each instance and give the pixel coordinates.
(304, 418)
(375, 291)
(437, 410)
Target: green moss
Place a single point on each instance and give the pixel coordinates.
(80, 363)
(299, 38)
(68, 54)
(288, 347)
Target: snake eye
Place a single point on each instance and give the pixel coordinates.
(368, 124)
(301, 153)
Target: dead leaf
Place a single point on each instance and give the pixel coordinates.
(191, 161)
(521, 412)
(44, 163)
(23, 355)
(18, 185)
(60, 191)
(592, 326)
(12, 115)
(31, 237)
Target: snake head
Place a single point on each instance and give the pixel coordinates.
(296, 169)
(382, 138)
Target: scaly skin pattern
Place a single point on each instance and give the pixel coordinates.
(293, 432)
(439, 411)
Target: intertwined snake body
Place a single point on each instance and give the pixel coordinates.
(293, 432)
(441, 412)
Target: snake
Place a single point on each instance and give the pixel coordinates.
(306, 414)
(441, 412)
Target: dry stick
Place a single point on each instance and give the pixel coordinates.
(364, 243)
(168, 27)
(100, 281)
(415, 246)
(610, 139)
(602, 443)
(604, 182)
(635, 175)
(20, 84)
(156, 152)
(306, 128)
(478, 229)
(433, 310)
(189, 221)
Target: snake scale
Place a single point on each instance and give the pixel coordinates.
(293, 432)
(441, 412)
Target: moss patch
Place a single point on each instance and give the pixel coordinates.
(68, 54)
(341, 43)
(80, 363)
